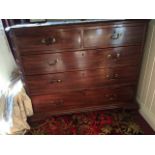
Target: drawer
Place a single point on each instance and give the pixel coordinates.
(84, 98)
(113, 36)
(80, 60)
(38, 39)
(67, 81)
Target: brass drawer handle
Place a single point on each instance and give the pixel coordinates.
(58, 102)
(48, 41)
(116, 75)
(53, 40)
(111, 96)
(59, 81)
(118, 55)
(52, 63)
(112, 77)
(115, 35)
(55, 81)
(108, 76)
(109, 56)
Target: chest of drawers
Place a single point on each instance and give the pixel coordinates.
(80, 67)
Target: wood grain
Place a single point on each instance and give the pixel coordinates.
(82, 98)
(77, 80)
(108, 37)
(80, 60)
(47, 39)
(80, 67)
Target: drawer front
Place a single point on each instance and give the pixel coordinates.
(83, 98)
(69, 61)
(47, 39)
(61, 82)
(111, 37)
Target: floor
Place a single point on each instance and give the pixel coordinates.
(108, 122)
(144, 125)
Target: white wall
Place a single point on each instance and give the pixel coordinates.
(7, 63)
(146, 89)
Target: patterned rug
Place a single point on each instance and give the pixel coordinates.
(90, 123)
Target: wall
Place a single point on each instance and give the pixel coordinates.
(7, 63)
(146, 89)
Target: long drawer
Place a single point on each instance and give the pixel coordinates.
(79, 60)
(83, 98)
(67, 81)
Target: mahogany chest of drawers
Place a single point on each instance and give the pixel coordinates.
(80, 67)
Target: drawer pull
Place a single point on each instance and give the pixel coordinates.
(116, 75)
(118, 55)
(52, 63)
(48, 41)
(115, 35)
(59, 81)
(107, 76)
(113, 77)
(109, 56)
(111, 96)
(57, 103)
(55, 81)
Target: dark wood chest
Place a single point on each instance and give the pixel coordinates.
(80, 67)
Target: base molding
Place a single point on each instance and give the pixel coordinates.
(148, 116)
(44, 115)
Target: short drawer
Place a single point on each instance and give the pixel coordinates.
(84, 98)
(67, 81)
(46, 38)
(80, 60)
(113, 36)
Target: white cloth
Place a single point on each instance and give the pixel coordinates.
(15, 107)
(21, 110)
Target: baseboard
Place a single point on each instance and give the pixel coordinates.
(148, 116)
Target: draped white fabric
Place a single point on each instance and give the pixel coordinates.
(15, 107)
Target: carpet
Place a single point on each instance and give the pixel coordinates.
(114, 122)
